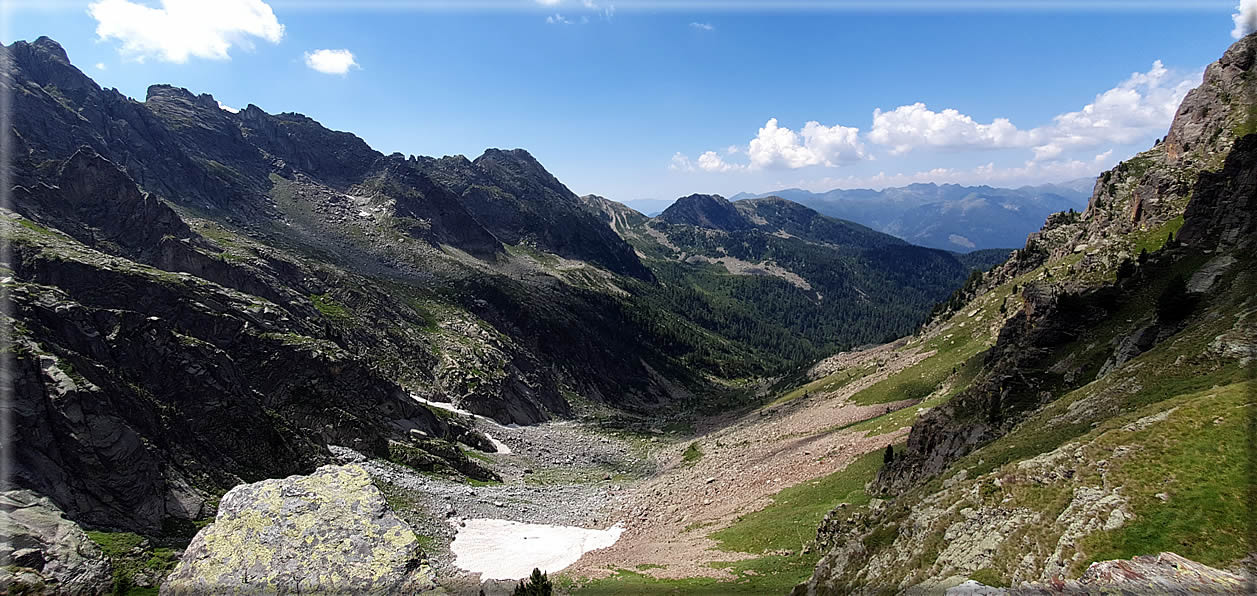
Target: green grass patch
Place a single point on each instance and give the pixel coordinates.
(692, 454)
(830, 383)
(791, 520)
(1199, 458)
(30, 225)
(130, 555)
(989, 577)
(784, 526)
(330, 308)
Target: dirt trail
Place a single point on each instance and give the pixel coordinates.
(745, 462)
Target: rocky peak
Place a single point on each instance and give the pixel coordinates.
(1223, 107)
(170, 92)
(706, 211)
(45, 62)
(51, 49)
(519, 173)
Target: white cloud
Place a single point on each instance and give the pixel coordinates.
(1142, 105)
(703, 26)
(181, 29)
(711, 162)
(1245, 18)
(680, 163)
(331, 61)
(1031, 172)
(227, 108)
(547, 2)
(816, 144)
(908, 127)
(558, 19)
(732, 150)
(100, 66)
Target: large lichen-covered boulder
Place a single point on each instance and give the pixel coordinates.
(44, 553)
(329, 532)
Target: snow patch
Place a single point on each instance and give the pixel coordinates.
(502, 448)
(505, 550)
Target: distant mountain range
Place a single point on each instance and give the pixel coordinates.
(948, 216)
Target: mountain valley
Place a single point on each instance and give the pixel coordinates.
(252, 354)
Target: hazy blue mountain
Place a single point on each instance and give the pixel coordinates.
(649, 207)
(947, 216)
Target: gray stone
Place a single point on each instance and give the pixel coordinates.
(48, 553)
(329, 532)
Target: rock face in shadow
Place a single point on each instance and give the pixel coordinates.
(512, 195)
(706, 211)
(44, 553)
(100, 205)
(327, 533)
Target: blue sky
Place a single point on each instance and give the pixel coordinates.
(639, 100)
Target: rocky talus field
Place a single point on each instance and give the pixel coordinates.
(254, 355)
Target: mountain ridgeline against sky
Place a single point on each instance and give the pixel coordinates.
(204, 297)
(947, 216)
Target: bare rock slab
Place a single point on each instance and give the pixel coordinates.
(45, 553)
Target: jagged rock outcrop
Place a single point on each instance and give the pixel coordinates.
(1212, 115)
(1164, 573)
(512, 195)
(92, 199)
(329, 532)
(44, 553)
(1223, 210)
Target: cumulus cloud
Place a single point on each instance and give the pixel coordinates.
(1142, 105)
(703, 26)
(100, 66)
(181, 29)
(908, 127)
(331, 61)
(712, 162)
(1245, 18)
(816, 144)
(547, 2)
(1135, 110)
(558, 19)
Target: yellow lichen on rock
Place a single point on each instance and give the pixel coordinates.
(329, 532)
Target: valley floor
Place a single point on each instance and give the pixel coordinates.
(697, 510)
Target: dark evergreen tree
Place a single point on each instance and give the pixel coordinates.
(1175, 302)
(537, 585)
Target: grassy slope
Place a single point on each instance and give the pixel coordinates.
(1188, 484)
(778, 532)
